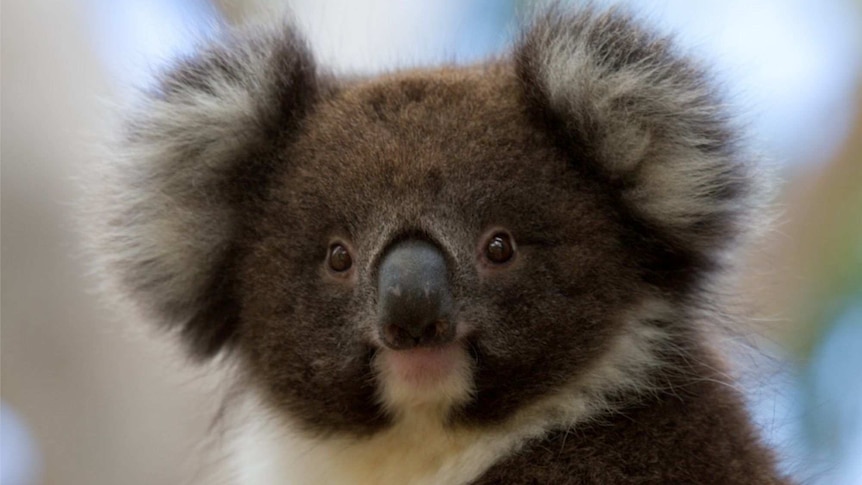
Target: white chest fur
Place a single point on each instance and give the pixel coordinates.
(417, 450)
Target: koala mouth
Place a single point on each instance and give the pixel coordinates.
(424, 366)
(431, 377)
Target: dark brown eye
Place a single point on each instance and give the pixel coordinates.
(339, 258)
(499, 249)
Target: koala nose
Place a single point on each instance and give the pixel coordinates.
(414, 299)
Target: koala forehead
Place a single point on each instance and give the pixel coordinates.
(458, 141)
(419, 123)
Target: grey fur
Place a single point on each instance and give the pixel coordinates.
(607, 155)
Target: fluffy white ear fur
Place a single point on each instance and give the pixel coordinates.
(163, 219)
(649, 120)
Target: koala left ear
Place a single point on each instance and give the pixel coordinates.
(196, 152)
(648, 120)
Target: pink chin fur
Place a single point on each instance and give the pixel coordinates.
(424, 366)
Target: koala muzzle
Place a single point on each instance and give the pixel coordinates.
(415, 303)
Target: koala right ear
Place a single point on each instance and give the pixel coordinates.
(167, 208)
(648, 119)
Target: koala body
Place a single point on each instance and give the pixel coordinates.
(483, 274)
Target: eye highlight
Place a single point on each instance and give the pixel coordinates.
(499, 249)
(339, 258)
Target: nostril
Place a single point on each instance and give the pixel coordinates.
(429, 333)
(401, 337)
(398, 337)
(434, 331)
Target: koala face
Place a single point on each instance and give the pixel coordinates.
(451, 160)
(461, 241)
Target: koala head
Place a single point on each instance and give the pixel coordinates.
(465, 239)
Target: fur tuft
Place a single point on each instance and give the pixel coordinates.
(191, 156)
(650, 121)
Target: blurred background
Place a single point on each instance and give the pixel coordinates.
(89, 399)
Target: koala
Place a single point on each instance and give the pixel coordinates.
(484, 274)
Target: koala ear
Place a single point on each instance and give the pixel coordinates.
(648, 120)
(168, 208)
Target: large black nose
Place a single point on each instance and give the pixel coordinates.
(414, 303)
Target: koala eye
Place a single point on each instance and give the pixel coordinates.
(339, 258)
(499, 248)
